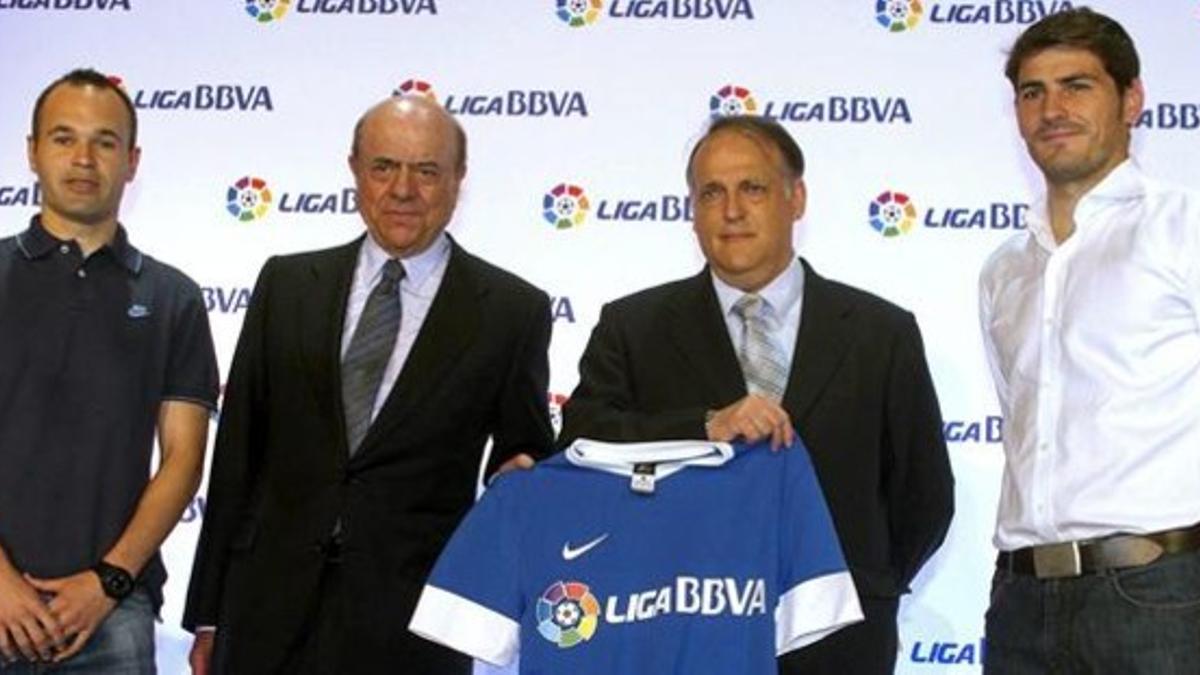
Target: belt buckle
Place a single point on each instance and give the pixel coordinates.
(1055, 561)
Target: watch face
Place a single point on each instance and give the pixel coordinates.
(117, 583)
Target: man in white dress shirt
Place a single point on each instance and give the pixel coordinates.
(1092, 331)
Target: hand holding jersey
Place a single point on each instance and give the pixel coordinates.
(751, 419)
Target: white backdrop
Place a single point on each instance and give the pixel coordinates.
(919, 115)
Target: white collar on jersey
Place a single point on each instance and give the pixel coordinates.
(667, 456)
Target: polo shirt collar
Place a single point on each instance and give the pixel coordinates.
(36, 242)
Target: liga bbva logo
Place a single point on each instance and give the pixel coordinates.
(568, 613)
(581, 13)
(272, 11)
(567, 205)
(411, 87)
(734, 99)
(510, 103)
(202, 97)
(893, 213)
(21, 195)
(564, 206)
(67, 5)
(900, 16)
(250, 198)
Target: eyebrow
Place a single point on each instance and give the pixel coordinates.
(1066, 79)
(422, 164)
(1077, 77)
(62, 128)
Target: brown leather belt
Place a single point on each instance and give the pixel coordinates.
(1076, 558)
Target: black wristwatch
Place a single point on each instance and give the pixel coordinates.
(116, 582)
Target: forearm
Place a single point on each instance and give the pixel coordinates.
(598, 419)
(608, 404)
(158, 510)
(183, 430)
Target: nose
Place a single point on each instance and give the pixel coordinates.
(83, 154)
(1054, 105)
(401, 187)
(734, 209)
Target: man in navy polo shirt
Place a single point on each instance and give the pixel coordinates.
(100, 346)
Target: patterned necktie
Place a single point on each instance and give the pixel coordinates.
(369, 351)
(763, 363)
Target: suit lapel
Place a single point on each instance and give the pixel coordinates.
(698, 330)
(449, 328)
(323, 307)
(824, 339)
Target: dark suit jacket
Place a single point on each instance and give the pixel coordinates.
(282, 477)
(859, 395)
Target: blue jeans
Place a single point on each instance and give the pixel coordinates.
(122, 645)
(1140, 620)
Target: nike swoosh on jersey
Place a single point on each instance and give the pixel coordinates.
(569, 553)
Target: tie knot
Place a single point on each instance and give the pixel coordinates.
(393, 272)
(749, 307)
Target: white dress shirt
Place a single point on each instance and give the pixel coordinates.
(423, 274)
(782, 301)
(1094, 346)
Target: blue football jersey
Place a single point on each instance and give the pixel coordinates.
(678, 557)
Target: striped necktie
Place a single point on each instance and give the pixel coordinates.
(369, 351)
(763, 363)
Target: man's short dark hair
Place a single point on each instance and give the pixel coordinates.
(1079, 28)
(83, 77)
(762, 128)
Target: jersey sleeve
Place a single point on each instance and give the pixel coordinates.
(817, 594)
(471, 602)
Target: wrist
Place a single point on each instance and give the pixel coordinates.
(116, 582)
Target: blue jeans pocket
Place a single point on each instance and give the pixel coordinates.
(1171, 583)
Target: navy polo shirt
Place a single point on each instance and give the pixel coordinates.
(89, 349)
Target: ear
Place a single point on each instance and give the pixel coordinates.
(31, 152)
(799, 198)
(1132, 102)
(135, 156)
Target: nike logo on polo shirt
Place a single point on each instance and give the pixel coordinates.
(569, 553)
(137, 311)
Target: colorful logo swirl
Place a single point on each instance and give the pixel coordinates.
(898, 15)
(567, 613)
(576, 13)
(892, 214)
(412, 87)
(266, 11)
(248, 198)
(732, 100)
(565, 206)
